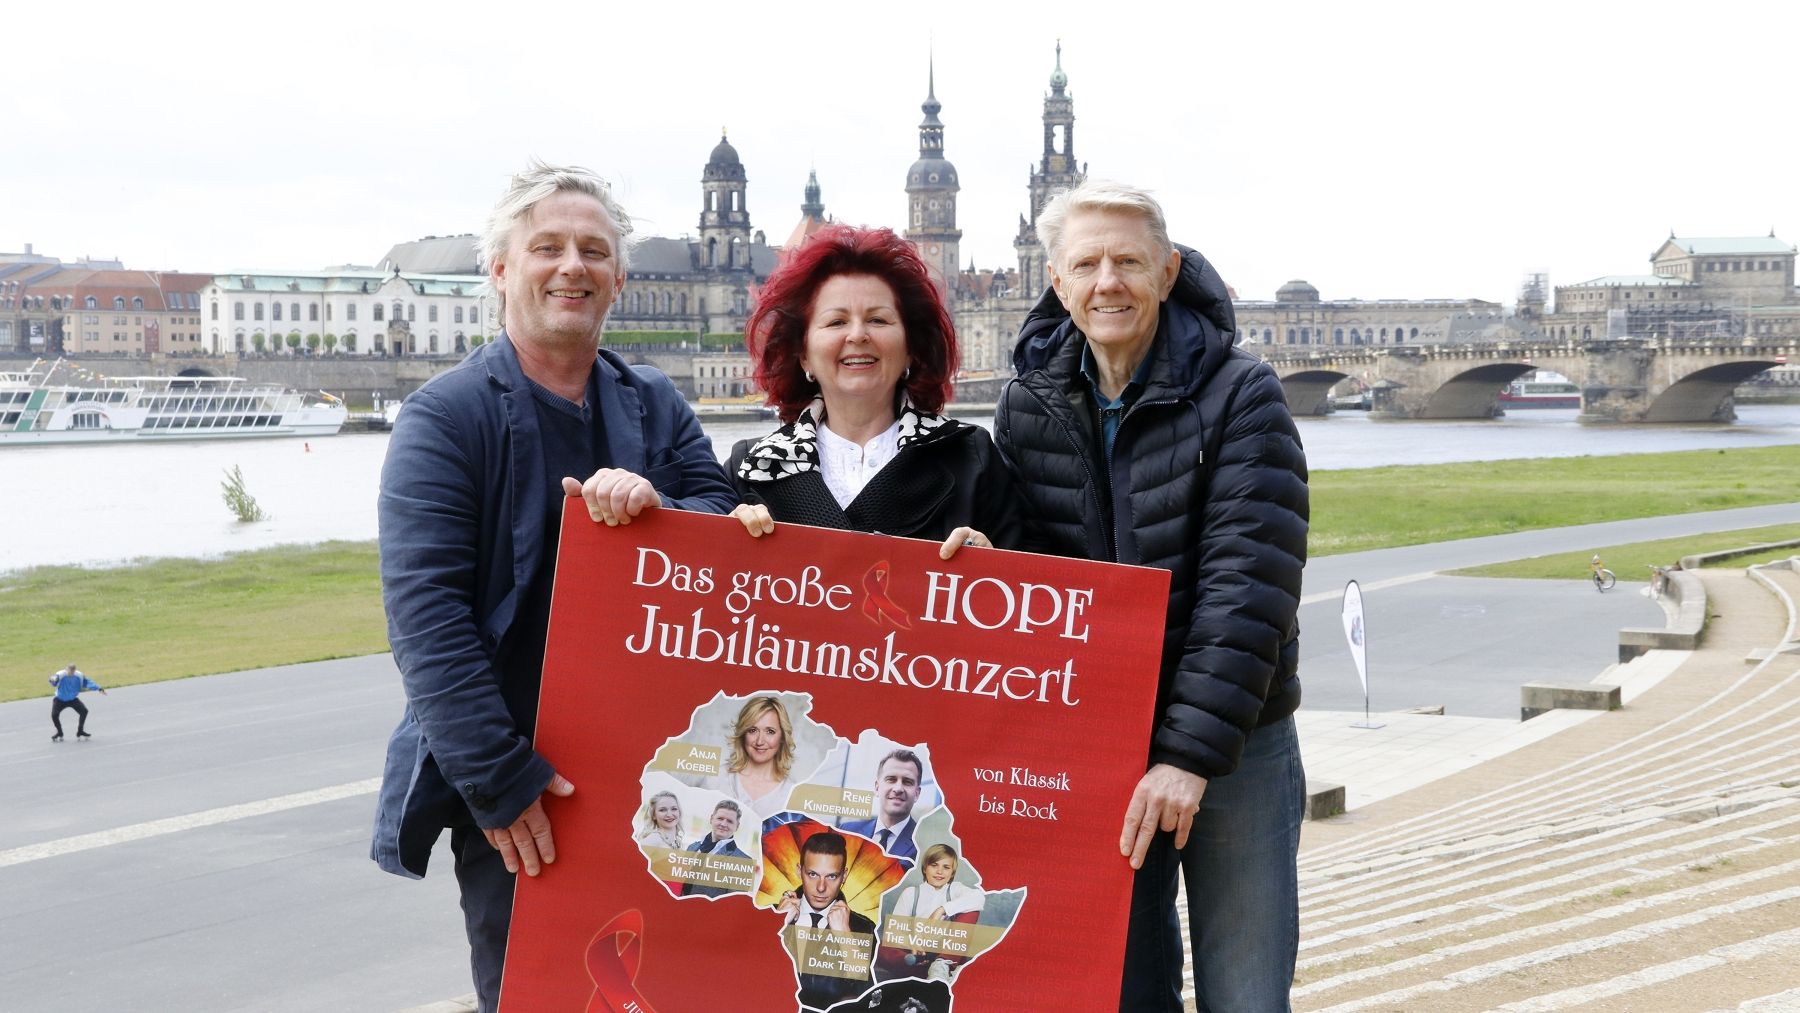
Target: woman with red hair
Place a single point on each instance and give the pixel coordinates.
(855, 350)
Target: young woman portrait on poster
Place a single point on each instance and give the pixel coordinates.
(661, 821)
(759, 770)
(854, 347)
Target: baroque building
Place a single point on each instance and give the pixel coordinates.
(1298, 316)
(989, 305)
(701, 284)
(931, 190)
(1697, 288)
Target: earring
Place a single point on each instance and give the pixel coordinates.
(808, 374)
(906, 374)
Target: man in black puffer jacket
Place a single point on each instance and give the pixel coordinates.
(1137, 434)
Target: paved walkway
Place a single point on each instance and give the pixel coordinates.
(1644, 859)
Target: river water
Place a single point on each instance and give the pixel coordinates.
(105, 503)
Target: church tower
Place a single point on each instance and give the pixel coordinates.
(724, 217)
(1056, 171)
(931, 190)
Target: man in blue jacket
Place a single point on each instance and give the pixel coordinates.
(471, 499)
(69, 683)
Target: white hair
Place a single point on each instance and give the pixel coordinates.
(1101, 195)
(528, 188)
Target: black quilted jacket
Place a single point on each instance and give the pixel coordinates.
(1208, 481)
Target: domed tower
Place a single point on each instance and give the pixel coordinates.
(1056, 171)
(931, 190)
(724, 217)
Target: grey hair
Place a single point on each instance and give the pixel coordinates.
(528, 188)
(1101, 195)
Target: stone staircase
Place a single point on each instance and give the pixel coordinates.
(1645, 860)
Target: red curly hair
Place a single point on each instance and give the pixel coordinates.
(776, 334)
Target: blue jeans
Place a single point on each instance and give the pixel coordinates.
(1242, 891)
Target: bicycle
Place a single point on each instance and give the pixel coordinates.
(1603, 578)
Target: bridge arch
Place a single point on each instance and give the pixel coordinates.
(196, 371)
(1473, 393)
(1705, 394)
(1308, 391)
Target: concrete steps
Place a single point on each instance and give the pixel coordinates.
(1647, 859)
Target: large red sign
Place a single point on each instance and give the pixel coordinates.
(827, 770)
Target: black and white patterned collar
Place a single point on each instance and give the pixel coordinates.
(794, 448)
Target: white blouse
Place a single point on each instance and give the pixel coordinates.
(847, 467)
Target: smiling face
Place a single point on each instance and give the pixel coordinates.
(820, 876)
(561, 272)
(1112, 278)
(855, 341)
(667, 813)
(897, 789)
(724, 823)
(939, 871)
(762, 740)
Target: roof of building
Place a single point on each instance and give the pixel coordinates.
(657, 255)
(1616, 280)
(437, 255)
(1297, 291)
(360, 281)
(1726, 245)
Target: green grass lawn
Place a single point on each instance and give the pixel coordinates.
(1632, 561)
(1374, 508)
(170, 618)
(167, 619)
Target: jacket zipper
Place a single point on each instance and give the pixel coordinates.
(1129, 412)
(1081, 454)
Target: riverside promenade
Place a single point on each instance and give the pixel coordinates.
(222, 823)
(1644, 859)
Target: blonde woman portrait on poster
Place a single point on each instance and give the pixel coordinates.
(760, 765)
(660, 822)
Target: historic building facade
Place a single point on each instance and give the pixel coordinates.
(353, 310)
(1732, 287)
(50, 309)
(1298, 316)
(702, 284)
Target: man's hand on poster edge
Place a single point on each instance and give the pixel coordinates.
(527, 842)
(1166, 798)
(613, 495)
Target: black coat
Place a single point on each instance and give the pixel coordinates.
(1207, 481)
(945, 478)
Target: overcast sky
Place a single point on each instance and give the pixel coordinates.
(1375, 149)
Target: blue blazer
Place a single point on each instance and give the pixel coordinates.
(462, 515)
(901, 847)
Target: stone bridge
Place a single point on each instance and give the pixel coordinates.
(1621, 380)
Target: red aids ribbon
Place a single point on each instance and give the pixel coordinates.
(612, 961)
(876, 603)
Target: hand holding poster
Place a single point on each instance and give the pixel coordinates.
(827, 770)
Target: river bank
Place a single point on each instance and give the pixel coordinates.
(171, 618)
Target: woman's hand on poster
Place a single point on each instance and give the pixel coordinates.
(1166, 798)
(755, 519)
(960, 537)
(613, 495)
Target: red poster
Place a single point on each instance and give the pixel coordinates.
(824, 770)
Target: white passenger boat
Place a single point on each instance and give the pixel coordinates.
(34, 411)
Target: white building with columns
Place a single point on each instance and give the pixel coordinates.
(351, 310)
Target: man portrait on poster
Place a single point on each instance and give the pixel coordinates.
(820, 904)
(721, 840)
(899, 778)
